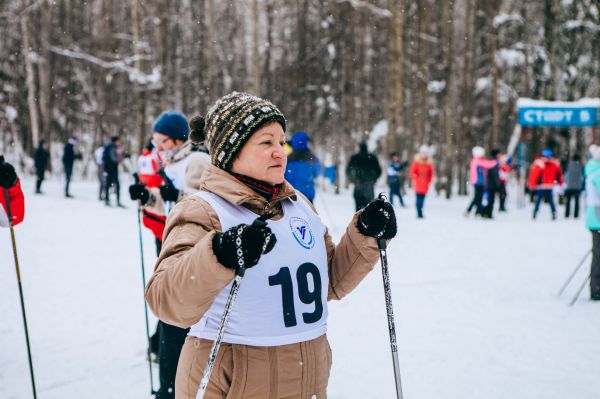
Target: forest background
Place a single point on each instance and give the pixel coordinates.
(443, 73)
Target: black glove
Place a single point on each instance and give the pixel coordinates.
(378, 220)
(139, 192)
(8, 176)
(169, 193)
(243, 245)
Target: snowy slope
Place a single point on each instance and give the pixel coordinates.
(476, 309)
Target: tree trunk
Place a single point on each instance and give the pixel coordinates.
(140, 111)
(44, 69)
(422, 114)
(31, 87)
(163, 53)
(211, 82)
(267, 57)
(255, 65)
(395, 75)
(495, 104)
(549, 25)
(448, 43)
(468, 77)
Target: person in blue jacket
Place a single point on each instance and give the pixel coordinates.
(592, 217)
(303, 166)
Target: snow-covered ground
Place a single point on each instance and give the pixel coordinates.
(477, 314)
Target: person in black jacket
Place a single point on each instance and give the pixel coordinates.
(68, 159)
(111, 159)
(40, 160)
(363, 170)
(492, 185)
(574, 185)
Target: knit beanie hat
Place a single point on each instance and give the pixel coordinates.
(478, 151)
(229, 124)
(547, 153)
(172, 124)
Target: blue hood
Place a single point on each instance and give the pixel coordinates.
(299, 141)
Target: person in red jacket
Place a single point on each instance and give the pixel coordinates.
(544, 175)
(148, 167)
(10, 181)
(421, 174)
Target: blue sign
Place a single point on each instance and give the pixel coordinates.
(559, 116)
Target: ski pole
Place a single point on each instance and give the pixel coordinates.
(149, 352)
(390, 314)
(235, 285)
(14, 246)
(574, 272)
(580, 289)
(212, 357)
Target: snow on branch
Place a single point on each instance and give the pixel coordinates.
(135, 75)
(577, 24)
(502, 19)
(509, 58)
(378, 11)
(436, 86)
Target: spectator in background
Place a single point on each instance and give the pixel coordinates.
(574, 183)
(111, 158)
(363, 170)
(592, 216)
(492, 183)
(505, 171)
(303, 167)
(544, 175)
(421, 174)
(395, 177)
(98, 154)
(40, 160)
(69, 157)
(184, 165)
(478, 172)
(148, 167)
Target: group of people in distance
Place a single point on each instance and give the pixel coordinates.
(215, 192)
(363, 171)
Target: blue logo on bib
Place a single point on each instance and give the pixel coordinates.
(302, 232)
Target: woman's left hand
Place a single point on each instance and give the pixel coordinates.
(378, 220)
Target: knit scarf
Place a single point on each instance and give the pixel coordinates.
(266, 190)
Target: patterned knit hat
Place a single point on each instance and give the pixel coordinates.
(229, 124)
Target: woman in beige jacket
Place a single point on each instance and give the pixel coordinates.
(275, 343)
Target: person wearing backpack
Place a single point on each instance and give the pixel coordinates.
(492, 184)
(574, 182)
(544, 175)
(478, 168)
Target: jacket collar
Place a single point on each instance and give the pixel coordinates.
(183, 151)
(228, 187)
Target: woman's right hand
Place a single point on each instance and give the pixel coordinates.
(242, 246)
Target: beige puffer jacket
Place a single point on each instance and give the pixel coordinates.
(298, 370)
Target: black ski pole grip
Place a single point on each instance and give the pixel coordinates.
(161, 172)
(136, 178)
(261, 221)
(2, 162)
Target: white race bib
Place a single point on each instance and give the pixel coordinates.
(283, 299)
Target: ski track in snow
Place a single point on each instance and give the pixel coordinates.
(475, 303)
